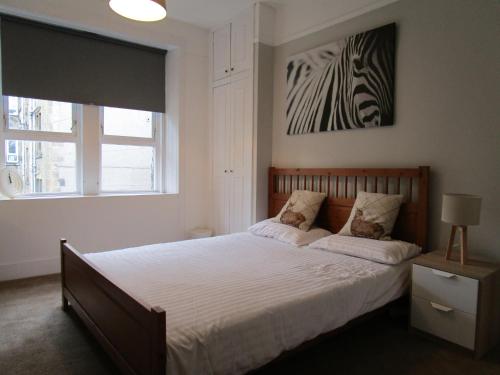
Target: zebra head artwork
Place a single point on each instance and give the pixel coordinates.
(347, 84)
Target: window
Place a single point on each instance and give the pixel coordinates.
(130, 150)
(43, 141)
(12, 152)
(60, 147)
(40, 140)
(41, 115)
(129, 123)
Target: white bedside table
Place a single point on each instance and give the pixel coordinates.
(460, 304)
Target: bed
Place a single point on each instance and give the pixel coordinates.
(231, 312)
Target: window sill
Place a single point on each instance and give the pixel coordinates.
(80, 196)
(130, 194)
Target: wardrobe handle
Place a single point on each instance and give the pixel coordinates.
(231, 171)
(232, 69)
(225, 170)
(226, 71)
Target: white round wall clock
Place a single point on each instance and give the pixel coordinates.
(11, 183)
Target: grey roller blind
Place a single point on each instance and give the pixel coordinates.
(48, 62)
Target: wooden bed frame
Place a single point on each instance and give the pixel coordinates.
(342, 185)
(134, 333)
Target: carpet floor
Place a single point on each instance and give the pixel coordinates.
(37, 337)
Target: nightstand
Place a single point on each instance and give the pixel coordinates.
(458, 303)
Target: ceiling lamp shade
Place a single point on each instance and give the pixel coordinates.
(140, 10)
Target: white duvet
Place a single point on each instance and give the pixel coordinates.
(235, 302)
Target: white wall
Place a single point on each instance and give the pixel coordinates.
(263, 105)
(29, 229)
(297, 18)
(446, 108)
(263, 117)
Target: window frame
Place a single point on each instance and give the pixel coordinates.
(88, 136)
(155, 141)
(8, 134)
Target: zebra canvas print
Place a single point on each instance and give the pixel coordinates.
(347, 84)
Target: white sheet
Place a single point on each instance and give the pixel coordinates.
(235, 302)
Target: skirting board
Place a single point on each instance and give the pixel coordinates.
(29, 268)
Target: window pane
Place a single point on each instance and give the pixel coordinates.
(46, 167)
(127, 168)
(36, 114)
(128, 122)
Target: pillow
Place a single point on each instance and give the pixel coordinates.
(287, 233)
(373, 216)
(301, 209)
(387, 252)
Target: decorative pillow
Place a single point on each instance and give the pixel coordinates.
(388, 252)
(286, 233)
(301, 209)
(373, 216)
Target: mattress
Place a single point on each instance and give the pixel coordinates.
(235, 302)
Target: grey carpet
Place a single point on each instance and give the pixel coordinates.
(37, 337)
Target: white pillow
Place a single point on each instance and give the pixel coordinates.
(287, 233)
(388, 252)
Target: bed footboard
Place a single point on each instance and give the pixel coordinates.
(131, 332)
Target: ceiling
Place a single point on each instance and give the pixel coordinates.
(203, 13)
(212, 13)
(206, 13)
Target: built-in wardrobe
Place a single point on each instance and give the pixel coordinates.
(234, 131)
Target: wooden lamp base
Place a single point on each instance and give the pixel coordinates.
(463, 243)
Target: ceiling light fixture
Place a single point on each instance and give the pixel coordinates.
(140, 10)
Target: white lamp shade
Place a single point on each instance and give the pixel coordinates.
(140, 10)
(461, 209)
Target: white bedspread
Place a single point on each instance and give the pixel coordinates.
(235, 302)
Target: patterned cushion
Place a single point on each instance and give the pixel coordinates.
(301, 209)
(373, 216)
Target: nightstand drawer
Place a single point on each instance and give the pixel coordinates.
(447, 289)
(443, 321)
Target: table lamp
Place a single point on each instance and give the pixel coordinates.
(460, 210)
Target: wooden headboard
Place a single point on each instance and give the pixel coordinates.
(342, 185)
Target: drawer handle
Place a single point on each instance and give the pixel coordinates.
(439, 307)
(443, 274)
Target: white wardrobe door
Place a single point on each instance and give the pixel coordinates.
(221, 52)
(221, 147)
(241, 43)
(237, 205)
(221, 205)
(240, 155)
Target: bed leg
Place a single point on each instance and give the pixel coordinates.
(64, 300)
